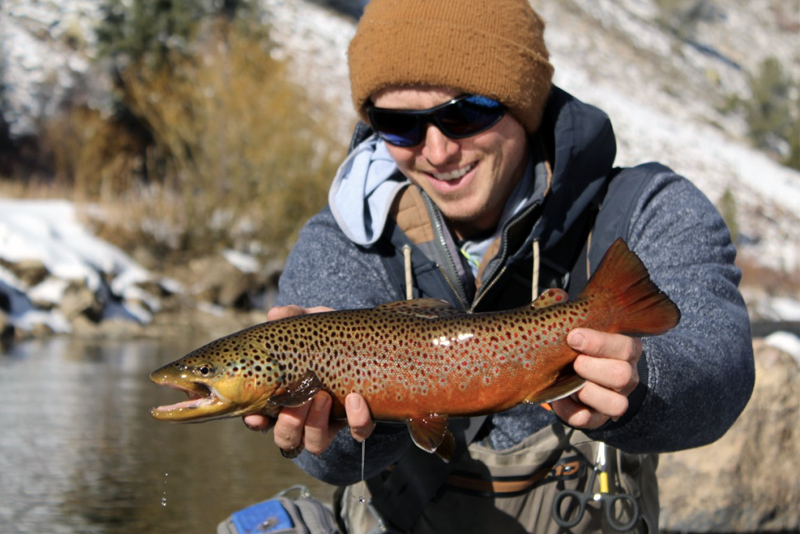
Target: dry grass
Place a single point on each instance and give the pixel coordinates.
(229, 155)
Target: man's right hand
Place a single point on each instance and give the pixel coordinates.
(309, 426)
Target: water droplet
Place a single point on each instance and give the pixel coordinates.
(164, 495)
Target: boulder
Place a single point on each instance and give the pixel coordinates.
(748, 481)
(30, 272)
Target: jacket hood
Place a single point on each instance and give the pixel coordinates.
(582, 149)
(363, 191)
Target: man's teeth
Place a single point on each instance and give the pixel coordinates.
(453, 175)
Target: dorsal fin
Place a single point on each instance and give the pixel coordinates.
(425, 308)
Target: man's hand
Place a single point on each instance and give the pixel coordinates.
(608, 362)
(309, 425)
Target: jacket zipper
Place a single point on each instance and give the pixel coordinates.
(495, 276)
(455, 285)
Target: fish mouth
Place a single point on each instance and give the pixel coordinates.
(203, 404)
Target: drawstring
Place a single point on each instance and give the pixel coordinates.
(407, 263)
(588, 254)
(535, 279)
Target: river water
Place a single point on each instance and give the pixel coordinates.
(79, 452)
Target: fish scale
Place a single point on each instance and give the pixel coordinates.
(418, 361)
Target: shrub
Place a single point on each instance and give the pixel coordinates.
(241, 148)
(773, 112)
(210, 145)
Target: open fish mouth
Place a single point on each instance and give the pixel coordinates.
(203, 404)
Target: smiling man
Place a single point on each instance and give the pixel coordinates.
(474, 180)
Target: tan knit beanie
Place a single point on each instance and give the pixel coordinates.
(493, 48)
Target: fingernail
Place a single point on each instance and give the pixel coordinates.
(320, 402)
(577, 340)
(353, 402)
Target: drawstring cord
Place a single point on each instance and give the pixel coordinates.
(407, 263)
(535, 276)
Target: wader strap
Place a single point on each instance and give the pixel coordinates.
(417, 478)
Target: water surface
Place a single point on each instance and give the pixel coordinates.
(79, 452)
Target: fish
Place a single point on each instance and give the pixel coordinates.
(418, 362)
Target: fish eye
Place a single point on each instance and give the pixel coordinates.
(206, 369)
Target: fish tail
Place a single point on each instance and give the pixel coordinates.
(623, 291)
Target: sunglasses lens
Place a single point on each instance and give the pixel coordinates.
(463, 117)
(470, 116)
(396, 128)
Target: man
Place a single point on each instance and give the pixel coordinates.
(480, 183)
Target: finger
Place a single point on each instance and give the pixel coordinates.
(616, 375)
(289, 427)
(258, 422)
(604, 345)
(358, 417)
(282, 312)
(319, 430)
(577, 414)
(605, 402)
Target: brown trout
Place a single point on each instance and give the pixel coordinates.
(417, 361)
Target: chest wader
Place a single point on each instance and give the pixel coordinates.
(511, 490)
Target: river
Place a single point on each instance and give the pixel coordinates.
(79, 452)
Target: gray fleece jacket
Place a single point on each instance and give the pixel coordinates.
(695, 380)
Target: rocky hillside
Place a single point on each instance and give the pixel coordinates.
(662, 70)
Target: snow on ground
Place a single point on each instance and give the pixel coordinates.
(45, 234)
(788, 343)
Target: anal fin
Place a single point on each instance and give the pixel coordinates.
(566, 384)
(430, 433)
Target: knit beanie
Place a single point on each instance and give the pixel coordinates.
(493, 48)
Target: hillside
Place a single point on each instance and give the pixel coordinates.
(662, 91)
(661, 69)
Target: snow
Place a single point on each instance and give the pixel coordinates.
(785, 341)
(47, 232)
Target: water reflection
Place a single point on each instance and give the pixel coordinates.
(79, 452)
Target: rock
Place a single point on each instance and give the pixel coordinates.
(6, 328)
(30, 272)
(219, 282)
(748, 480)
(80, 300)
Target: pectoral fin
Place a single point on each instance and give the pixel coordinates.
(566, 384)
(298, 392)
(430, 434)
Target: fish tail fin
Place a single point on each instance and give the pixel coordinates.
(622, 290)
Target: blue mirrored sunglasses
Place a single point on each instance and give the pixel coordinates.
(462, 117)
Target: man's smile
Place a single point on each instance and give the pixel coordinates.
(454, 174)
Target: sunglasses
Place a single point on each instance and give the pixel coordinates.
(462, 117)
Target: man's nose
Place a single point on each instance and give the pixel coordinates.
(438, 148)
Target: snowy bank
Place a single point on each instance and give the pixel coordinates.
(53, 269)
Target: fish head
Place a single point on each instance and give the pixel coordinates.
(229, 377)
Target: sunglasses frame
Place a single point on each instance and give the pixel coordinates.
(433, 116)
